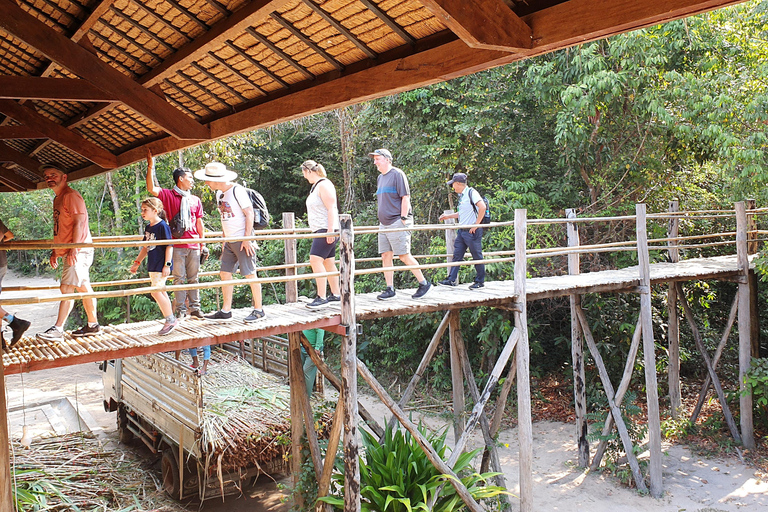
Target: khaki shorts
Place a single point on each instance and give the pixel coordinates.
(158, 279)
(399, 242)
(78, 274)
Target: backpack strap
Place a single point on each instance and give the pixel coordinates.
(469, 194)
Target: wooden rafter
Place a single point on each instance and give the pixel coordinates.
(8, 154)
(246, 80)
(307, 41)
(62, 89)
(19, 132)
(488, 25)
(67, 138)
(8, 179)
(219, 81)
(280, 53)
(253, 62)
(202, 89)
(388, 21)
(77, 59)
(341, 29)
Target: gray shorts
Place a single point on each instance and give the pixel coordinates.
(80, 273)
(232, 257)
(399, 242)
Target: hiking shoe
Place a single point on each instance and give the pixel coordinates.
(169, 326)
(422, 290)
(18, 326)
(51, 334)
(333, 298)
(87, 330)
(447, 282)
(256, 314)
(475, 286)
(387, 294)
(196, 313)
(220, 316)
(319, 302)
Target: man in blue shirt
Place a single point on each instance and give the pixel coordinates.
(471, 210)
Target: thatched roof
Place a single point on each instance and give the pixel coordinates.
(90, 84)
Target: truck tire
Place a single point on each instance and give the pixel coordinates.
(170, 473)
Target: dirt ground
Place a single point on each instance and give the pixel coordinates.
(691, 483)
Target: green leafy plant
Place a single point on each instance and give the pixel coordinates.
(756, 383)
(397, 476)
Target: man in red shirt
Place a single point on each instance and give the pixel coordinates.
(70, 226)
(185, 216)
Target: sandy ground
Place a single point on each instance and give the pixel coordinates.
(691, 483)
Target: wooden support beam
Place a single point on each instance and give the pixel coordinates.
(610, 396)
(577, 349)
(280, 54)
(341, 29)
(457, 379)
(349, 364)
(54, 131)
(6, 477)
(307, 41)
(324, 479)
(673, 321)
(429, 451)
(62, 89)
(716, 358)
(299, 389)
(754, 300)
(501, 406)
(19, 132)
(81, 62)
(487, 25)
(745, 328)
(7, 179)
(388, 21)
(649, 355)
(8, 154)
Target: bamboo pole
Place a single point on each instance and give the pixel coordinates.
(716, 358)
(577, 350)
(457, 379)
(425, 360)
(525, 425)
(349, 367)
(610, 396)
(649, 355)
(434, 458)
(673, 321)
(745, 329)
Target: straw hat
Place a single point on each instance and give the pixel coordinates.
(215, 171)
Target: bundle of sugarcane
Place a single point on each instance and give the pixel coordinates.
(75, 472)
(246, 415)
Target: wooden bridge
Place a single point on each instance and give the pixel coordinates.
(117, 341)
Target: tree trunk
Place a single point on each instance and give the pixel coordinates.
(347, 132)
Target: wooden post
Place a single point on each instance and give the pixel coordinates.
(291, 288)
(450, 239)
(673, 322)
(457, 379)
(6, 503)
(349, 366)
(577, 349)
(525, 425)
(745, 329)
(752, 248)
(649, 355)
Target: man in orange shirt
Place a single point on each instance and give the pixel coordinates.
(70, 225)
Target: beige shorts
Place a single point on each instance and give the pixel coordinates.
(399, 242)
(158, 279)
(79, 274)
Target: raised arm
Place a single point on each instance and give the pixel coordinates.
(151, 187)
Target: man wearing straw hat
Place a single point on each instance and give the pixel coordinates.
(237, 222)
(394, 200)
(70, 225)
(185, 216)
(471, 210)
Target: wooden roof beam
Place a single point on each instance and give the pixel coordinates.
(60, 89)
(280, 53)
(8, 179)
(486, 25)
(67, 138)
(341, 29)
(8, 154)
(81, 62)
(19, 132)
(392, 24)
(307, 41)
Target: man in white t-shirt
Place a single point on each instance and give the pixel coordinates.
(237, 222)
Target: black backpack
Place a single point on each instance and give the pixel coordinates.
(259, 206)
(487, 217)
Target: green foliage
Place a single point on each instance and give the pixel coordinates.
(756, 384)
(397, 476)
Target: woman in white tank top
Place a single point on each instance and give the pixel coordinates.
(323, 217)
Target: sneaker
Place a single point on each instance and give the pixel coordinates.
(387, 294)
(447, 282)
(422, 290)
(220, 316)
(51, 334)
(333, 298)
(87, 330)
(18, 326)
(256, 314)
(196, 313)
(475, 286)
(169, 326)
(319, 302)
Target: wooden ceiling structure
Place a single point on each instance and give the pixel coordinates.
(90, 85)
